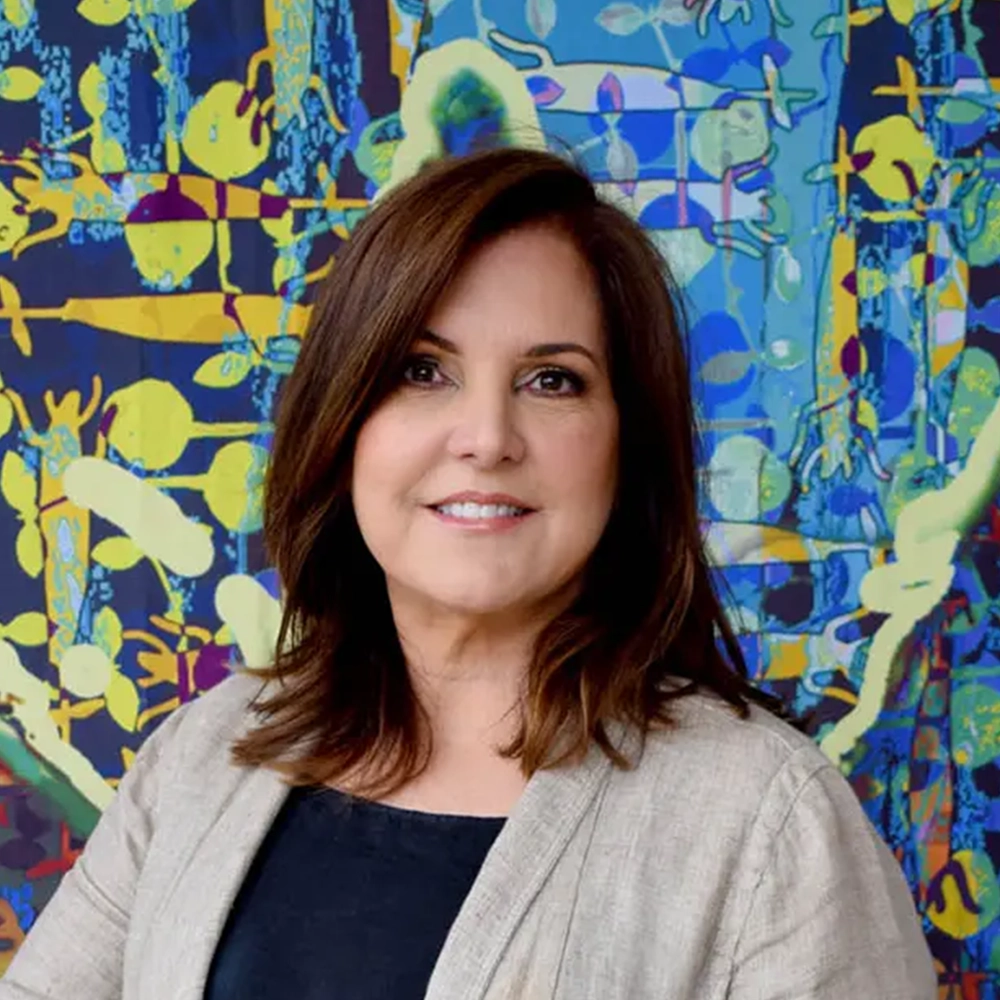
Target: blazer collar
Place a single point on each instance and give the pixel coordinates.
(530, 844)
(525, 852)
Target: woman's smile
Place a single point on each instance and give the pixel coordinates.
(482, 513)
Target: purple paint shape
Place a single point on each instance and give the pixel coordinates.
(273, 206)
(610, 95)
(212, 666)
(21, 854)
(544, 90)
(243, 105)
(850, 358)
(168, 205)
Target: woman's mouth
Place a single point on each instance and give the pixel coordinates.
(488, 513)
(480, 511)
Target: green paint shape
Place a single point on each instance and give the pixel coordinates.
(975, 721)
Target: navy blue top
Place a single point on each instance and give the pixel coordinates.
(347, 899)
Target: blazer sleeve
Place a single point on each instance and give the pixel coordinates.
(76, 946)
(832, 915)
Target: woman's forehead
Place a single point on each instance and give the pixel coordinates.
(524, 284)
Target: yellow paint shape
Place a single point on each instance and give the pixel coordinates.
(789, 657)
(85, 671)
(928, 530)
(898, 145)
(30, 628)
(104, 12)
(93, 91)
(18, 12)
(904, 11)
(14, 225)
(253, 616)
(954, 918)
(29, 699)
(220, 142)
(19, 83)
(153, 520)
(432, 71)
(168, 253)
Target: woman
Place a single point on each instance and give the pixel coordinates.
(502, 752)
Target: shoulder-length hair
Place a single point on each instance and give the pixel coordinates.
(647, 611)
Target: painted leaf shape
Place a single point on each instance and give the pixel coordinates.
(224, 370)
(85, 670)
(233, 486)
(975, 720)
(104, 12)
(959, 111)
(610, 94)
(865, 16)
(118, 553)
(10, 299)
(818, 174)
(6, 415)
(544, 89)
(108, 155)
(147, 8)
(30, 628)
(21, 336)
(541, 16)
(18, 83)
(18, 12)
(622, 18)
(18, 484)
(676, 12)
(92, 89)
(827, 26)
(622, 162)
(438, 6)
(28, 549)
(123, 702)
(868, 526)
(787, 276)
(107, 632)
(730, 8)
(726, 367)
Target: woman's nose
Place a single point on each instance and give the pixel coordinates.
(485, 428)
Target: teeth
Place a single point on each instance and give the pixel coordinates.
(473, 511)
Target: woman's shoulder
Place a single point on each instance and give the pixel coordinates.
(719, 762)
(225, 708)
(196, 735)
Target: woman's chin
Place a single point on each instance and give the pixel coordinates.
(474, 596)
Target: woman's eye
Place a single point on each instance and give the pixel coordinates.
(421, 371)
(556, 382)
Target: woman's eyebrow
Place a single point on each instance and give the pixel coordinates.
(538, 351)
(566, 347)
(443, 343)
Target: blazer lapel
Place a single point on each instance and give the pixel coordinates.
(218, 858)
(529, 845)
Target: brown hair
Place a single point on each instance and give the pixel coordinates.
(647, 610)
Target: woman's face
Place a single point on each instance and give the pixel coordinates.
(483, 483)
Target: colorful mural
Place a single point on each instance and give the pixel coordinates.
(824, 178)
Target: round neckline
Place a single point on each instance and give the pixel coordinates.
(403, 812)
